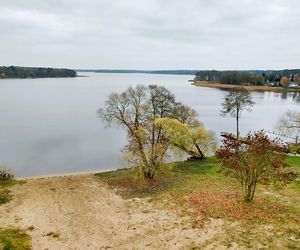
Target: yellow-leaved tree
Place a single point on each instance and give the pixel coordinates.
(192, 139)
(284, 81)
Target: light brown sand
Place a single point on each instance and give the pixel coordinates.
(88, 215)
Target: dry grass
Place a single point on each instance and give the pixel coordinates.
(249, 88)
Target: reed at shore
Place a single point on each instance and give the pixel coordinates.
(247, 87)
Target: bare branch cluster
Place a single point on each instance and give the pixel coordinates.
(136, 109)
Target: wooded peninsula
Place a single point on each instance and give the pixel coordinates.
(32, 72)
(274, 78)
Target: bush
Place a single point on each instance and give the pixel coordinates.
(14, 238)
(6, 174)
(253, 159)
(294, 148)
(5, 196)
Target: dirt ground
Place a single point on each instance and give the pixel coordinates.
(80, 212)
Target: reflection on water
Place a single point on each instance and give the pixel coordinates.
(50, 126)
(293, 95)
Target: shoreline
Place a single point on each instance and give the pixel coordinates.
(64, 174)
(32, 78)
(249, 88)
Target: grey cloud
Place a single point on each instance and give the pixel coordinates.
(152, 34)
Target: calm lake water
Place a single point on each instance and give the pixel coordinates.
(50, 126)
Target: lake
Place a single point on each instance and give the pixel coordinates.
(50, 126)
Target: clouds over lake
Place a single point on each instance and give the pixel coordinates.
(152, 34)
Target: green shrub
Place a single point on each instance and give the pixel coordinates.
(5, 196)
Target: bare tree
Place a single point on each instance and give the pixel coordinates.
(235, 102)
(136, 110)
(185, 114)
(289, 125)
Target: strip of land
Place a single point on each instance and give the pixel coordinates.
(249, 88)
(16, 72)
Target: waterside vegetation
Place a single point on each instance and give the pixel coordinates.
(248, 87)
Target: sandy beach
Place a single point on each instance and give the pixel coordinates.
(81, 212)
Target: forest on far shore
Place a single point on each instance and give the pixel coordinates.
(253, 77)
(32, 72)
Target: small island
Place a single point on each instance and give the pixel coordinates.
(12, 72)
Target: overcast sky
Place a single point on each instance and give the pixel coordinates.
(151, 34)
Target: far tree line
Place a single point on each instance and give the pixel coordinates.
(31, 72)
(258, 78)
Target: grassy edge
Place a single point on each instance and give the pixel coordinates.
(248, 87)
(5, 193)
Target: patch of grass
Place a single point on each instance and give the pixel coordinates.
(14, 239)
(5, 196)
(294, 162)
(9, 183)
(174, 179)
(200, 175)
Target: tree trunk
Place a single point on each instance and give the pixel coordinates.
(148, 175)
(150, 171)
(200, 152)
(249, 187)
(237, 127)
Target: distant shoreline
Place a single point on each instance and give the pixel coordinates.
(26, 78)
(20, 72)
(249, 88)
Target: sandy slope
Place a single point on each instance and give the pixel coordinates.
(88, 215)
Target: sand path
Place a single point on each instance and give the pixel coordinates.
(88, 215)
